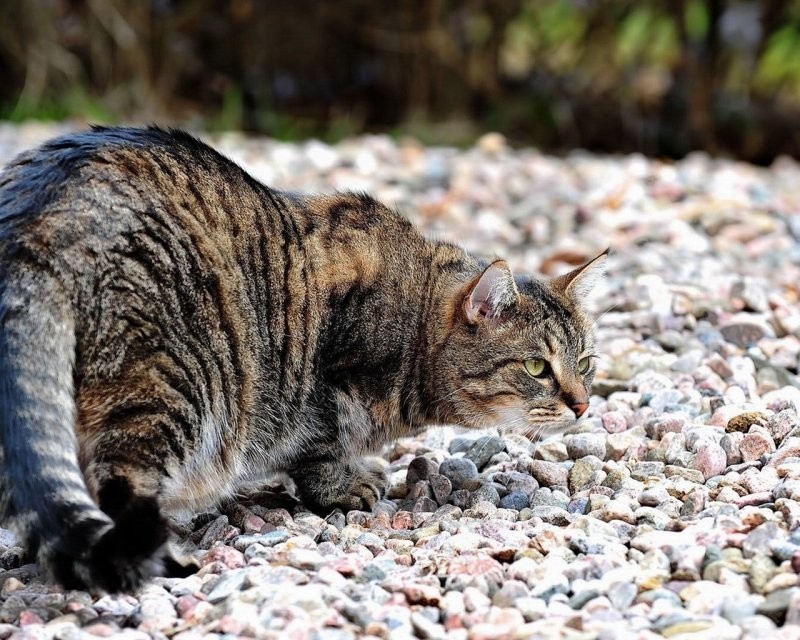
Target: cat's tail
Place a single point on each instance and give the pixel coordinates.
(43, 492)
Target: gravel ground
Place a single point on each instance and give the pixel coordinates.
(671, 511)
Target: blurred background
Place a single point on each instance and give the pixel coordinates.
(663, 77)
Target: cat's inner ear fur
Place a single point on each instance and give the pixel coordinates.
(578, 283)
(491, 294)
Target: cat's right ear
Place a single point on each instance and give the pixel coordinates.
(491, 294)
(577, 284)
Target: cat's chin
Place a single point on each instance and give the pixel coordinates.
(519, 422)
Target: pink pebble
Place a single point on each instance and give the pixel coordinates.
(710, 459)
(228, 556)
(614, 422)
(754, 445)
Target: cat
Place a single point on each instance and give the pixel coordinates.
(170, 328)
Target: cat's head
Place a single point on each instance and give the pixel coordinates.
(519, 352)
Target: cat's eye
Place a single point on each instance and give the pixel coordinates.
(536, 367)
(584, 364)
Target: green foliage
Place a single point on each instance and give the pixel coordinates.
(647, 36)
(696, 19)
(779, 66)
(75, 104)
(551, 72)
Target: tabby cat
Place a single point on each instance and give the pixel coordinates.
(170, 328)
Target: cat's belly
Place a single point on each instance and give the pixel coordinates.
(208, 474)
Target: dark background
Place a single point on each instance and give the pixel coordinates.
(661, 77)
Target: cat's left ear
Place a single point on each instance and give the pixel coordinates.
(491, 294)
(577, 284)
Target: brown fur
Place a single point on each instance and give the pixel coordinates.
(169, 328)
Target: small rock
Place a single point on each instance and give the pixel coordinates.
(516, 500)
(424, 504)
(549, 474)
(743, 421)
(777, 603)
(760, 540)
(420, 469)
(230, 557)
(583, 474)
(614, 422)
(744, 333)
(483, 449)
(441, 487)
(762, 568)
(552, 515)
(486, 493)
(581, 445)
(459, 471)
(781, 423)
(710, 459)
(459, 498)
(622, 595)
(731, 444)
(755, 445)
(305, 558)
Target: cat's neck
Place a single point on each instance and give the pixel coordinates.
(390, 301)
(450, 271)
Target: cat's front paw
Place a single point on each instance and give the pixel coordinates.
(352, 485)
(366, 486)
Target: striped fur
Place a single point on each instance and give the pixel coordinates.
(169, 328)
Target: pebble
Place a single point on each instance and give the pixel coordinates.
(420, 468)
(710, 459)
(549, 474)
(458, 471)
(482, 450)
(755, 445)
(586, 444)
(670, 510)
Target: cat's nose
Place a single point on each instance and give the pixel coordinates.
(579, 408)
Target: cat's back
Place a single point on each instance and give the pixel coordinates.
(96, 185)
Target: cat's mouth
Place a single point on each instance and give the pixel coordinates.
(535, 424)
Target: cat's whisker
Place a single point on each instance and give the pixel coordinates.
(596, 322)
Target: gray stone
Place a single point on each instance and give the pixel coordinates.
(459, 498)
(441, 487)
(650, 596)
(760, 540)
(552, 515)
(459, 471)
(549, 474)
(516, 500)
(578, 600)
(521, 482)
(420, 468)
(229, 583)
(460, 444)
(487, 493)
(583, 474)
(483, 449)
(581, 445)
(424, 504)
(622, 595)
(777, 603)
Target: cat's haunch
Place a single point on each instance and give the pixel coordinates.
(170, 327)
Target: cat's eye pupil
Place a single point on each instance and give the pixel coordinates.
(535, 367)
(583, 365)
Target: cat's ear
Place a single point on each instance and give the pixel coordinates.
(491, 294)
(577, 284)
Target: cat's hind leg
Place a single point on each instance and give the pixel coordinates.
(326, 484)
(136, 547)
(126, 459)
